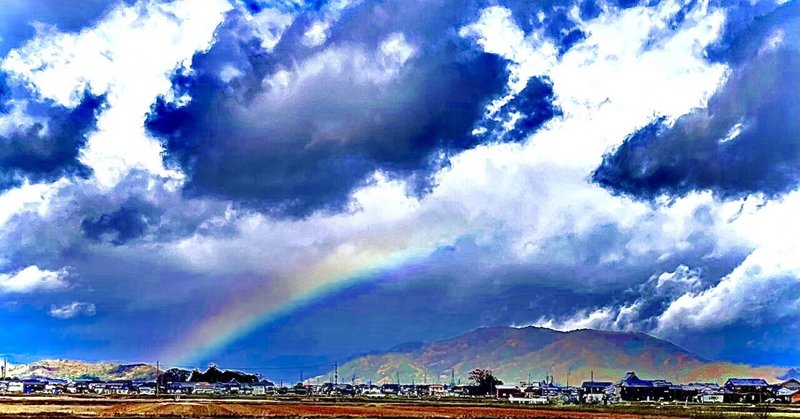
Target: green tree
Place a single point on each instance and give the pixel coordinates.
(485, 381)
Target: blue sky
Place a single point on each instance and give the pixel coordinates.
(287, 183)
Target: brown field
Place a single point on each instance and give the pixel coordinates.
(74, 407)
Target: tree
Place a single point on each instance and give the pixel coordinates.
(485, 380)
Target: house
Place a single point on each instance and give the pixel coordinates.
(26, 386)
(231, 387)
(180, 387)
(117, 387)
(55, 388)
(784, 391)
(205, 389)
(15, 387)
(712, 397)
(596, 391)
(343, 389)
(78, 387)
(436, 390)
(544, 389)
(784, 395)
(747, 390)
(390, 389)
(704, 392)
(147, 389)
(633, 388)
(792, 383)
(504, 391)
(682, 393)
(795, 398)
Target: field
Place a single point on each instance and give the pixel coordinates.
(77, 407)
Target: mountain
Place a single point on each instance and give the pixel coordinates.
(67, 369)
(517, 354)
(59, 368)
(793, 373)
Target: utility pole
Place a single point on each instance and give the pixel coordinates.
(158, 377)
(301, 376)
(5, 365)
(336, 374)
(453, 377)
(398, 378)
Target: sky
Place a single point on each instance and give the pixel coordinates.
(276, 185)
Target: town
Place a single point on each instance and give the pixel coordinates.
(630, 388)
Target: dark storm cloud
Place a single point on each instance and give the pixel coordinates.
(534, 106)
(462, 287)
(118, 227)
(5, 93)
(355, 104)
(745, 141)
(47, 149)
(85, 221)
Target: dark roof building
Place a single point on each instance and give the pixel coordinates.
(747, 390)
(633, 388)
(596, 387)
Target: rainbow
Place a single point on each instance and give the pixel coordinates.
(236, 319)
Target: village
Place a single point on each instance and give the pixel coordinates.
(629, 389)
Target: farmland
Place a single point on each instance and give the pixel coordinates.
(99, 407)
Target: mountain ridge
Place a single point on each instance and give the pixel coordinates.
(523, 353)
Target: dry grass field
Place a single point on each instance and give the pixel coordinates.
(73, 407)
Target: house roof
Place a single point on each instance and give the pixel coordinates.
(597, 384)
(787, 391)
(792, 383)
(637, 383)
(747, 382)
(630, 375)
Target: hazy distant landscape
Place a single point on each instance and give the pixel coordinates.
(514, 354)
(522, 354)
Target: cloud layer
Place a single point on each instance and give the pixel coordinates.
(287, 172)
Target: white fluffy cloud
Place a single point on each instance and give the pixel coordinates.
(72, 310)
(519, 196)
(765, 285)
(128, 57)
(604, 318)
(33, 279)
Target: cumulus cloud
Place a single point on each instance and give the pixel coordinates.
(744, 142)
(647, 301)
(46, 147)
(72, 310)
(604, 318)
(502, 112)
(764, 288)
(107, 59)
(33, 279)
(298, 132)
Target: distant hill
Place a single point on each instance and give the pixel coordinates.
(59, 368)
(67, 369)
(515, 354)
